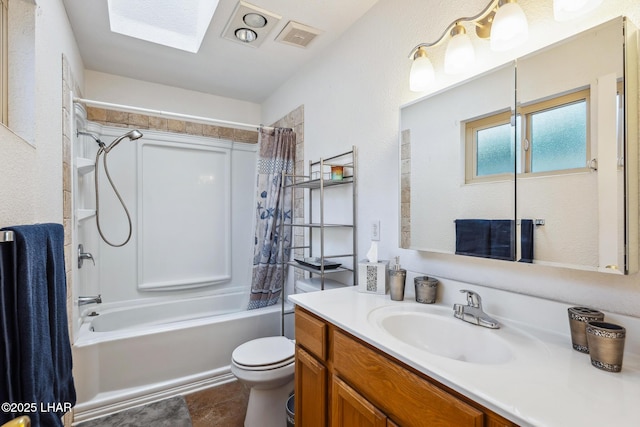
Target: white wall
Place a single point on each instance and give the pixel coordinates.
(161, 251)
(352, 94)
(31, 176)
(125, 91)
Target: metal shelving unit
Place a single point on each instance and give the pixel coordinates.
(315, 229)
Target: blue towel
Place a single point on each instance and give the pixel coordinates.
(502, 242)
(9, 352)
(485, 238)
(473, 237)
(44, 347)
(526, 240)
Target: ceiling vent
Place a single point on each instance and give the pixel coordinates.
(297, 34)
(250, 24)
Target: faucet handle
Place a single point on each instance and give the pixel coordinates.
(473, 299)
(82, 255)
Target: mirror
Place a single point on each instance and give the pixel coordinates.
(555, 183)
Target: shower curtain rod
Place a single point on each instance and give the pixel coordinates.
(168, 114)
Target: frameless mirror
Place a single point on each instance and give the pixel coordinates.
(442, 197)
(573, 169)
(543, 170)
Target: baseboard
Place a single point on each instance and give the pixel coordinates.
(97, 411)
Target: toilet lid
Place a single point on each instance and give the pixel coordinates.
(264, 353)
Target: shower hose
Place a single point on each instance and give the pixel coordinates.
(102, 151)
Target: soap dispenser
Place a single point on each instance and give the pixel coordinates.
(397, 279)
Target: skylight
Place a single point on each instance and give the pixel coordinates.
(177, 24)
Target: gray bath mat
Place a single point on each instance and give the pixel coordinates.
(171, 412)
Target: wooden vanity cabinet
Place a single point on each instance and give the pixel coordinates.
(342, 381)
(311, 390)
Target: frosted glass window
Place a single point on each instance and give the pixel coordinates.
(549, 137)
(559, 138)
(495, 150)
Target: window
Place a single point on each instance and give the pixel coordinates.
(4, 47)
(556, 134)
(490, 148)
(552, 138)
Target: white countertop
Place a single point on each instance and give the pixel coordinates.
(546, 383)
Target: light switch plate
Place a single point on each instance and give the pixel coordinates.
(375, 231)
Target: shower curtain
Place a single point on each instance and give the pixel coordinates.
(276, 153)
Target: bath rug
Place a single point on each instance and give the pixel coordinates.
(171, 412)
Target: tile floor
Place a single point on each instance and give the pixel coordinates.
(222, 406)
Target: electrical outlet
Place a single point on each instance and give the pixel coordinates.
(375, 230)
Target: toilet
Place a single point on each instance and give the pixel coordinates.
(266, 366)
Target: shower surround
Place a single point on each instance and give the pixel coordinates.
(194, 329)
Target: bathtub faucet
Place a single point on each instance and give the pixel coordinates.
(89, 300)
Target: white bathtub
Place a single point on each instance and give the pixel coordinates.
(129, 356)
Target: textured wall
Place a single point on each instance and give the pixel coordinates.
(352, 94)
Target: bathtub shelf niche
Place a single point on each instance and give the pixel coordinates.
(84, 166)
(326, 240)
(82, 214)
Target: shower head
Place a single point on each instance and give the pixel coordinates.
(132, 135)
(95, 138)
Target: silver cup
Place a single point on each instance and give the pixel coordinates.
(606, 345)
(578, 318)
(426, 289)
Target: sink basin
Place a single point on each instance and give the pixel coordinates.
(441, 335)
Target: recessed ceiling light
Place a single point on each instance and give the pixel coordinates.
(246, 35)
(181, 25)
(255, 20)
(247, 17)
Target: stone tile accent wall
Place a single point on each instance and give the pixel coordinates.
(405, 189)
(68, 84)
(141, 121)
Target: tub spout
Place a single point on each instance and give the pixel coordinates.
(89, 300)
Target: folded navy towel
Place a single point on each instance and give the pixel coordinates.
(526, 240)
(485, 238)
(473, 237)
(502, 241)
(44, 347)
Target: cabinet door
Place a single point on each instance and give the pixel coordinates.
(404, 396)
(311, 391)
(350, 409)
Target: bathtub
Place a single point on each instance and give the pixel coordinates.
(134, 355)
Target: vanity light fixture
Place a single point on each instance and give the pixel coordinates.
(564, 10)
(422, 74)
(502, 21)
(509, 28)
(460, 53)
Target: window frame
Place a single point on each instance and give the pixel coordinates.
(522, 119)
(525, 113)
(471, 146)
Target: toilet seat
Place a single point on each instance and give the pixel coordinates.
(264, 354)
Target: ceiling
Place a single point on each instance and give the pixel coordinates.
(221, 67)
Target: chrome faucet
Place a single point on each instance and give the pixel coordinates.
(472, 312)
(89, 300)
